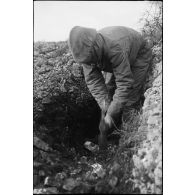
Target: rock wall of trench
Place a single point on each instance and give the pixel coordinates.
(147, 171)
(64, 111)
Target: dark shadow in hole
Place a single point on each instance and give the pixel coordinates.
(69, 124)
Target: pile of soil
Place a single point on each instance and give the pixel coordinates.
(65, 113)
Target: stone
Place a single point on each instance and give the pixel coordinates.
(48, 181)
(60, 176)
(98, 170)
(90, 176)
(91, 146)
(69, 184)
(114, 168)
(39, 191)
(41, 144)
(50, 190)
(113, 181)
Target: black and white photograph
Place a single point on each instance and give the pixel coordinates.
(97, 97)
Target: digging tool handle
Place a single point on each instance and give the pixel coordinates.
(103, 127)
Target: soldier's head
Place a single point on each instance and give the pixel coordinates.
(80, 42)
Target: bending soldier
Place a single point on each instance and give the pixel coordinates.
(115, 62)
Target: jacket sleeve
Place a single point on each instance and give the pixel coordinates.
(124, 81)
(96, 84)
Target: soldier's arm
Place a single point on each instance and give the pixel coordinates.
(96, 84)
(124, 81)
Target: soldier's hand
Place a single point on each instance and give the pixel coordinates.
(103, 126)
(108, 120)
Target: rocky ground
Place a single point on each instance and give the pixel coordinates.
(147, 169)
(66, 116)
